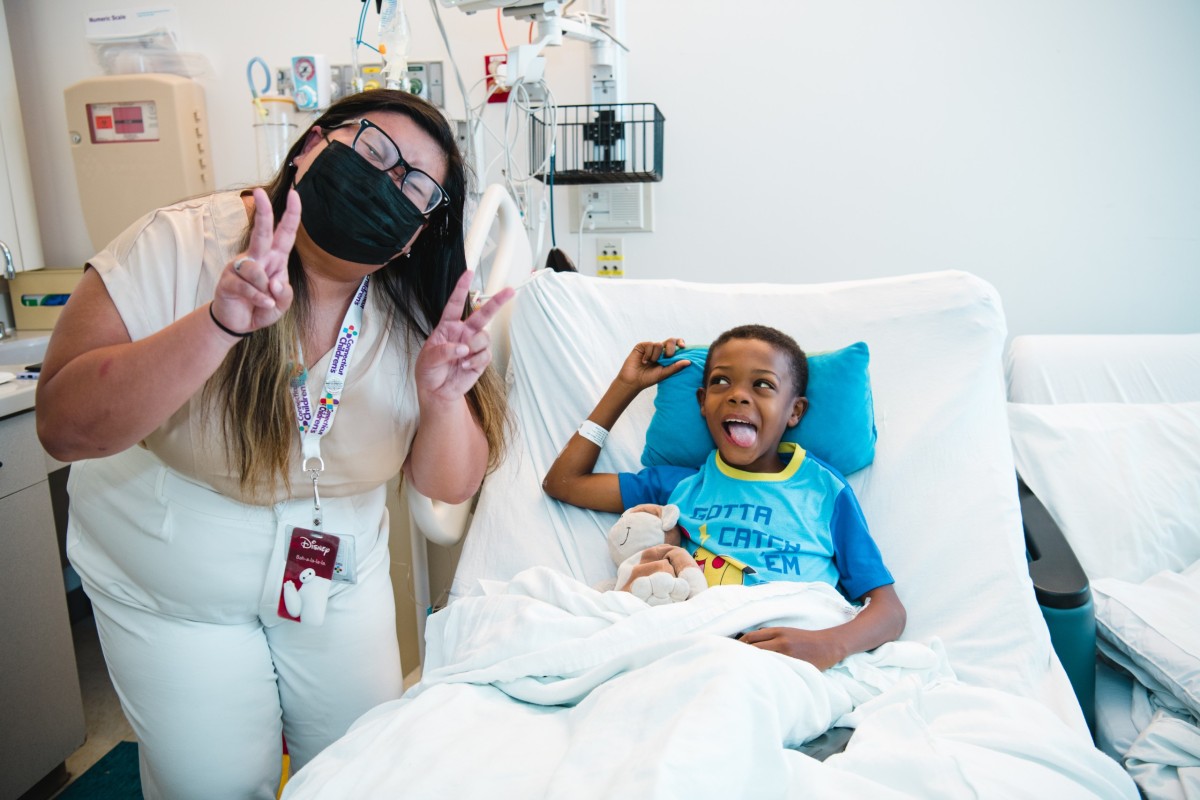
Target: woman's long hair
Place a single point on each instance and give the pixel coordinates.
(251, 387)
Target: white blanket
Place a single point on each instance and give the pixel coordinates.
(1150, 630)
(546, 688)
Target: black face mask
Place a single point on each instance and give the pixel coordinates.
(352, 210)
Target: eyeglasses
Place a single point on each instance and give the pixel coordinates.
(381, 152)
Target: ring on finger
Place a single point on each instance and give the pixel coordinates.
(237, 263)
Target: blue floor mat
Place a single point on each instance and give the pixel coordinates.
(114, 777)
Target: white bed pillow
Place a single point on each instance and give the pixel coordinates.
(1154, 628)
(1121, 480)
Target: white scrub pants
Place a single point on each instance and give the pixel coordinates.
(185, 583)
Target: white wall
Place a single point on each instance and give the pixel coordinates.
(1049, 147)
(18, 220)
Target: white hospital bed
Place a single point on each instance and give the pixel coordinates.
(533, 682)
(1106, 431)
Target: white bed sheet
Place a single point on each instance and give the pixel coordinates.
(1101, 368)
(1115, 729)
(940, 497)
(1121, 480)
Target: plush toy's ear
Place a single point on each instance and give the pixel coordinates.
(670, 517)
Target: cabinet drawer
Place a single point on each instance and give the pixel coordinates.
(23, 462)
(39, 694)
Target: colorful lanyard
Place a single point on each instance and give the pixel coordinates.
(315, 422)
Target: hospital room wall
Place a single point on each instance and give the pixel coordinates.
(1048, 147)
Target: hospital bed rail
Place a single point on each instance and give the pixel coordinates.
(1065, 597)
(431, 520)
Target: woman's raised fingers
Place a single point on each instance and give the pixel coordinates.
(285, 231)
(252, 272)
(485, 313)
(263, 233)
(479, 341)
(458, 299)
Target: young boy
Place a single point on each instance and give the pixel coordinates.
(757, 500)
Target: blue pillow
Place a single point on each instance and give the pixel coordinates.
(838, 428)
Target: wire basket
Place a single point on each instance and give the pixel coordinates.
(612, 143)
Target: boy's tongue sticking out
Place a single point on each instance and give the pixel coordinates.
(743, 434)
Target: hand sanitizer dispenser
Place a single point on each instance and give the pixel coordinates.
(139, 141)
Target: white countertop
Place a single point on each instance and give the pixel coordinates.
(17, 394)
(17, 351)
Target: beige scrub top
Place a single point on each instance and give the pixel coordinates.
(166, 265)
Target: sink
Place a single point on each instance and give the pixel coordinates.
(24, 347)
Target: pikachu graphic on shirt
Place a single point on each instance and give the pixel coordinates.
(719, 570)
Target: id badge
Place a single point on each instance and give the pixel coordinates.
(344, 567)
(308, 575)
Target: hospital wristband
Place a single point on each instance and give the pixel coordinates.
(593, 433)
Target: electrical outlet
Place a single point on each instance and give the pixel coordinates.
(610, 257)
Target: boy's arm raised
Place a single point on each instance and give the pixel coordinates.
(570, 478)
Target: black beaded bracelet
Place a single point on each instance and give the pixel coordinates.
(217, 322)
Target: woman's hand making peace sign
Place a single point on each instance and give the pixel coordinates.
(253, 290)
(458, 350)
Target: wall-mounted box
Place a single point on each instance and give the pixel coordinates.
(139, 142)
(38, 296)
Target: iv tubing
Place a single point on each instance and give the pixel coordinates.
(362, 21)
(254, 92)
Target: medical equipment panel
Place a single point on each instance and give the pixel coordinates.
(425, 80)
(599, 208)
(312, 82)
(139, 142)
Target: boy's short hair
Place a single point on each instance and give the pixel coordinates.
(776, 338)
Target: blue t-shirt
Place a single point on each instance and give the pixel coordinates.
(800, 524)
